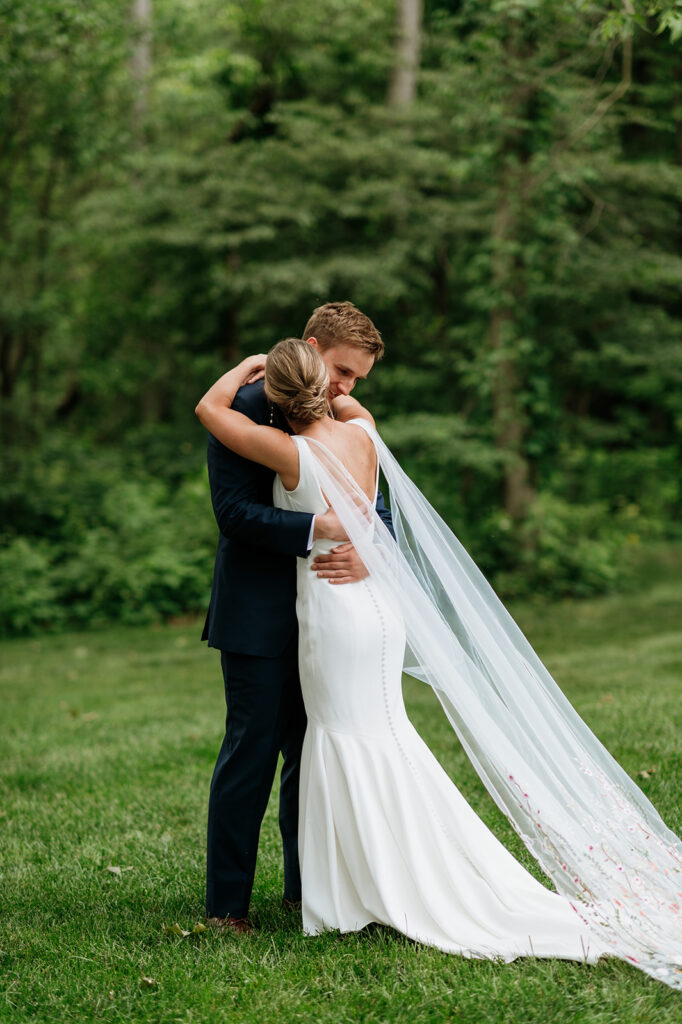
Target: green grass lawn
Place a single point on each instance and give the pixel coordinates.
(107, 745)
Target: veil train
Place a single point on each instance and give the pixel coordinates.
(591, 829)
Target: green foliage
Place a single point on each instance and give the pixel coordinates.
(88, 542)
(139, 564)
(28, 599)
(60, 122)
(578, 535)
(562, 548)
(514, 233)
(643, 480)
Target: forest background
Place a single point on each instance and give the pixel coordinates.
(497, 184)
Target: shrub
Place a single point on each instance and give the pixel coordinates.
(561, 548)
(29, 599)
(87, 541)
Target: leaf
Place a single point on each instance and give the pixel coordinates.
(646, 773)
(146, 981)
(175, 929)
(114, 869)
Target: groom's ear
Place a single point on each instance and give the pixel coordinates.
(313, 341)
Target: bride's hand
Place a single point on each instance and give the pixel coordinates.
(345, 408)
(253, 368)
(328, 527)
(222, 393)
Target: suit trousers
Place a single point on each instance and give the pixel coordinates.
(265, 716)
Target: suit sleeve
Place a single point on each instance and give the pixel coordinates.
(239, 516)
(385, 514)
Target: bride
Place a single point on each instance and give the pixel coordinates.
(384, 835)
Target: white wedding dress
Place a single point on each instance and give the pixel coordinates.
(384, 834)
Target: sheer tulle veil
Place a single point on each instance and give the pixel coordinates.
(591, 829)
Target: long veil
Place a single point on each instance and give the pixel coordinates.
(591, 829)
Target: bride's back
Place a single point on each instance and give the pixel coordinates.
(353, 447)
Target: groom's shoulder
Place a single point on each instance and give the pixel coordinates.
(251, 401)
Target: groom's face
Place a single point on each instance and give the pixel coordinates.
(347, 364)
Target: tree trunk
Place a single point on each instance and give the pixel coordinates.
(403, 85)
(678, 137)
(507, 282)
(508, 416)
(515, 186)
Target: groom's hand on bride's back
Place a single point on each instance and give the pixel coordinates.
(340, 565)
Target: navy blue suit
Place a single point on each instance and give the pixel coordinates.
(252, 621)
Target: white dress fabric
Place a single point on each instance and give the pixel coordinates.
(384, 834)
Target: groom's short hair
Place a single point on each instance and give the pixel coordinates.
(342, 323)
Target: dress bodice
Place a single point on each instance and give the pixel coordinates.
(307, 494)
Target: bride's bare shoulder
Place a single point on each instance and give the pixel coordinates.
(356, 433)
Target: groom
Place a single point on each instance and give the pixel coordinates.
(252, 621)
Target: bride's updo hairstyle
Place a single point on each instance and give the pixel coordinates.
(296, 380)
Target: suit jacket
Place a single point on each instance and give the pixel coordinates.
(253, 598)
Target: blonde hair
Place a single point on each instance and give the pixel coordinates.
(342, 323)
(296, 380)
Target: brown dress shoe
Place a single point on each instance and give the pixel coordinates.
(240, 925)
